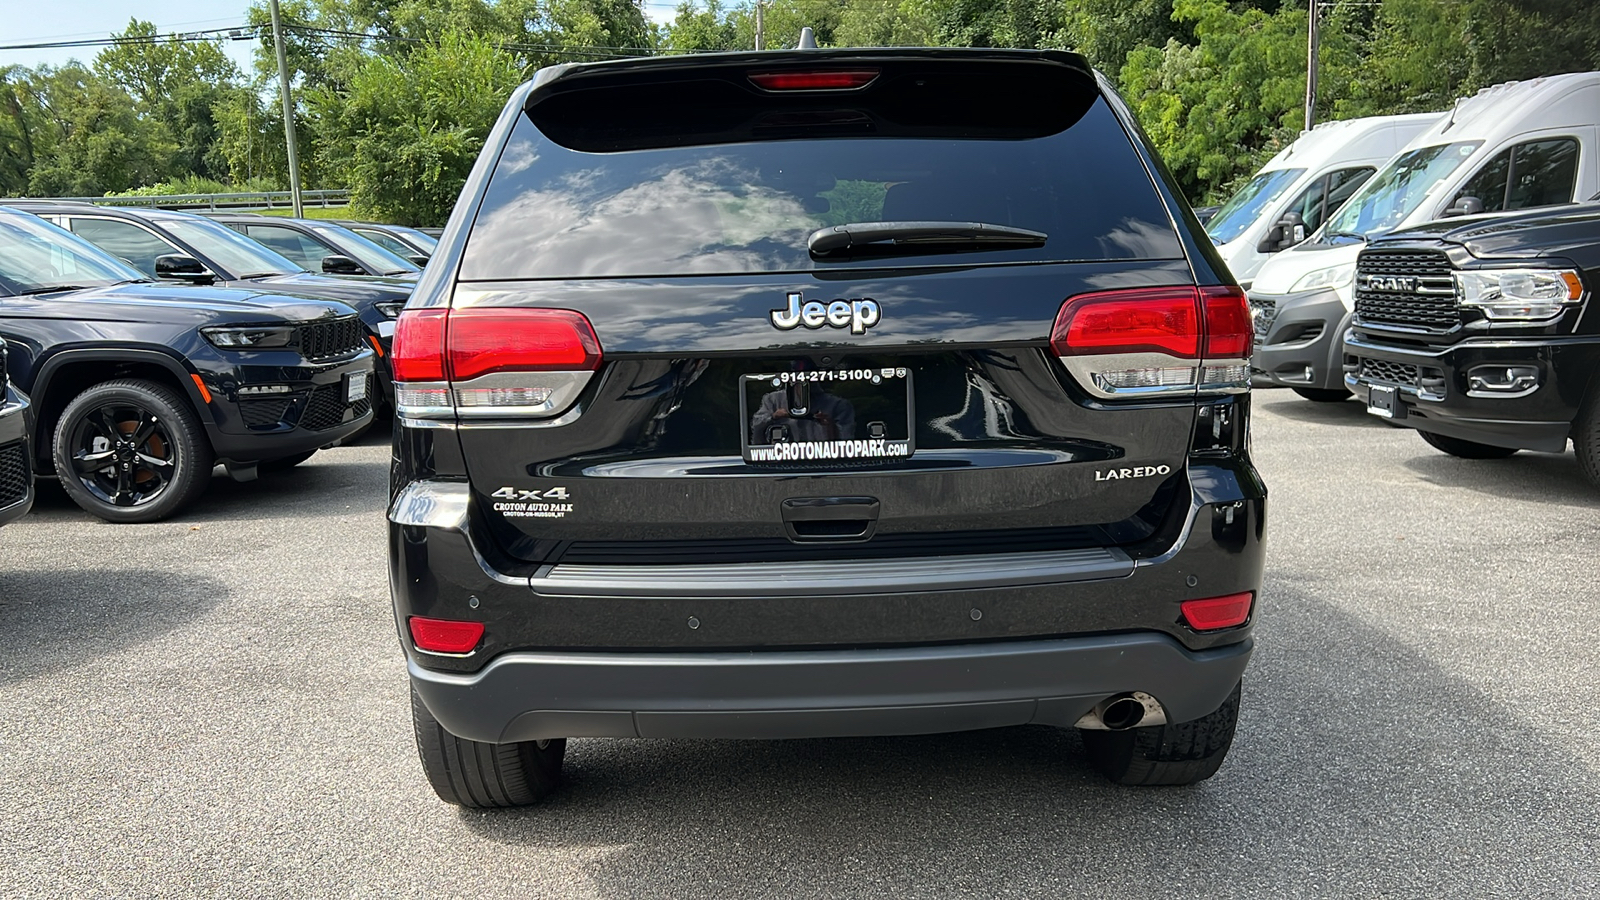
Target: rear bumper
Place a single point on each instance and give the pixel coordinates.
(1435, 391)
(1298, 339)
(827, 693)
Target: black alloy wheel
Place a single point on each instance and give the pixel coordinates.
(131, 451)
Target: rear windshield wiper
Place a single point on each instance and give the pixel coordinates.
(918, 237)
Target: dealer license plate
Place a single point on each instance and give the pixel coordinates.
(355, 387)
(827, 415)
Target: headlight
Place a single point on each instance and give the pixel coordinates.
(1331, 277)
(1519, 293)
(392, 310)
(249, 336)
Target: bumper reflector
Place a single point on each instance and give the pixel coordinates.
(1213, 613)
(445, 635)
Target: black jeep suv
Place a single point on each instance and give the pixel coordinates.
(139, 389)
(16, 470)
(183, 247)
(1477, 333)
(816, 393)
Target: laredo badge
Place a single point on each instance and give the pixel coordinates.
(517, 503)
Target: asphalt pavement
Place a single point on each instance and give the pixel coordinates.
(216, 706)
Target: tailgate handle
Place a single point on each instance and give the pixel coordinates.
(830, 520)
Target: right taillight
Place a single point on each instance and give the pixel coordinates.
(487, 362)
(1156, 341)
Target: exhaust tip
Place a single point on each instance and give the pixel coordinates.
(1119, 712)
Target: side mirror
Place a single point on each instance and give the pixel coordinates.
(1294, 230)
(1464, 206)
(335, 264)
(420, 259)
(180, 267)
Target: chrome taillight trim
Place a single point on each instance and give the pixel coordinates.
(1089, 372)
(564, 388)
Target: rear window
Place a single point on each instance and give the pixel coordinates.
(712, 177)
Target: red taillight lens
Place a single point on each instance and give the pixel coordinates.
(1213, 613)
(482, 341)
(843, 80)
(1143, 320)
(418, 350)
(1229, 331)
(445, 635)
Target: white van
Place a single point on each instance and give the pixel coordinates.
(1514, 146)
(1304, 184)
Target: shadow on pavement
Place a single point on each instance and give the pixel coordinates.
(1552, 478)
(1336, 716)
(1350, 413)
(53, 619)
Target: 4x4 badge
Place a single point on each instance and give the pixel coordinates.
(857, 315)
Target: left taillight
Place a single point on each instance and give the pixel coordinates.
(1156, 341)
(489, 362)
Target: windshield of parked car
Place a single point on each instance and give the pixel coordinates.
(1394, 193)
(36, 257)
(238, 256)
(370, 255)
(427, 243)
(1246, 204)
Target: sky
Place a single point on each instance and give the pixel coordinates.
(21, 22)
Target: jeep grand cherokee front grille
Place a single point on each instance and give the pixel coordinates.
(332, 339)
(1427, 301)
(326, 406)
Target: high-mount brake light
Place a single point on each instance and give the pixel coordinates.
(836, 80)
(1214, 613)
(445, 635)
(491, 361)
(1160, 341)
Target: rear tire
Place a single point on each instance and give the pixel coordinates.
(1172, 754)
(1586, 437)
(1323, 395)
(484, 776)
(1465, 449)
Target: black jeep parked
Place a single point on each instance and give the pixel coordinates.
(1477, 333)
(140, 388)
(16, 468)
(182, 247)
(822, 393)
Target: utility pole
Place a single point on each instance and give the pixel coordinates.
(1311, 67)
(288, 113)
(761, 26)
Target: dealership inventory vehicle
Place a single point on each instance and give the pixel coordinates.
(1478, 334)
(1515, 146)
(822, 393)
(1296, 191)
(139, 389)
(402, 241)
(183, 247)
(16, 469)
(320, 246)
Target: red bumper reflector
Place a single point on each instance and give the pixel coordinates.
(814, 81)
(445, 635)
(1213, 613)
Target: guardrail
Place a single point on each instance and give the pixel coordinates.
(241, 200)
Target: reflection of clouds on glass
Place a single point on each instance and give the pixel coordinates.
(518, 156)
(1134, 239)
(686, 219)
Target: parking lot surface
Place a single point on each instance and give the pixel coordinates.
(217, 706)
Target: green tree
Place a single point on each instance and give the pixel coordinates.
(404, 131)
(86, 135)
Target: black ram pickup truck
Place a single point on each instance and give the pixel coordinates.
(822, 393)
(138, 389)
(1478, 333)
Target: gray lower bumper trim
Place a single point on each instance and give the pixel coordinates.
(823, 693)
(837, 577)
